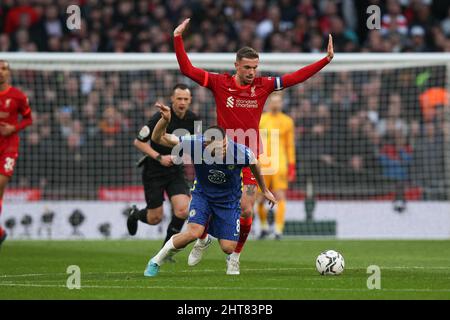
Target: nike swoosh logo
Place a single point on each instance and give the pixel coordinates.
(229, 89)
(236, 234)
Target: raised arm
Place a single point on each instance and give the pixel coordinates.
(159, 134)
(198, 75)
(307, 72)
(256, 171)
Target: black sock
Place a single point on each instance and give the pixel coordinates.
(142, 215)
(174, 227)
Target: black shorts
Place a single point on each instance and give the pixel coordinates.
(154, 188)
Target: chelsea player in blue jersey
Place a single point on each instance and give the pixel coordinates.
(218, 162)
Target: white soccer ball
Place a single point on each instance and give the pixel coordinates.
(330, 262)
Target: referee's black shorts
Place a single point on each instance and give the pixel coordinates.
(154, 188)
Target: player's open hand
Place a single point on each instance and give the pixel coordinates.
(270, 197)
(6, 129)
(330, 50)
(164, 111)
(180, 29)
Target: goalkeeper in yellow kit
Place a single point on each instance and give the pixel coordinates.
(277, 160)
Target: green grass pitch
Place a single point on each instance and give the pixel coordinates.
(269, 270)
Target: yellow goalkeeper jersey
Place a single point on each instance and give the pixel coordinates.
(279, 149)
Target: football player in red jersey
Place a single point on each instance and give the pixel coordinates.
(240, 100)
(12, 103)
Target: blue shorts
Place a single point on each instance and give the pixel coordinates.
(222, 218)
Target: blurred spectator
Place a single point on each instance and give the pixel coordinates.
(394, 21)
(396, 156)
(428, 160)
(21, 14)
(418, 43)
(317, 160)
(356, 153)
(393, 119)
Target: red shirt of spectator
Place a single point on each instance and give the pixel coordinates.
(14, 16)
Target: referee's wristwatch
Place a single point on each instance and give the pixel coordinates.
(158, 158)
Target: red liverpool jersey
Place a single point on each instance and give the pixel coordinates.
(12, 103)
(240, 107)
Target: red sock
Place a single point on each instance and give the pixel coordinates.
(205, 233)
(2, 232)
(246, 226)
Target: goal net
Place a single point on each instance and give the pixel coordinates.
(371, 131)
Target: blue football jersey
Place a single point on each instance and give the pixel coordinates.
(220, 181)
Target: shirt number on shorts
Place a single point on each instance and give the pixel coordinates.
(9, 164)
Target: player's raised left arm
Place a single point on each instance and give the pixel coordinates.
(159, 134)
(307, 72)
(256, 171)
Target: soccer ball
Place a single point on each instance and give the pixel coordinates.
(330, 262)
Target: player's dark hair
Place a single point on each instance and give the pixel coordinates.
(214, 133)
(180, 86)
(246, 52)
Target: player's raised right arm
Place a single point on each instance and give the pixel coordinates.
(198, 75)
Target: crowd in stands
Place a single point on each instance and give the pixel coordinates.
(225, 25)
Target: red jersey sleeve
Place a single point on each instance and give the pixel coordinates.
(198, 75)
(202, 77)
(302, 74)
(25, 111)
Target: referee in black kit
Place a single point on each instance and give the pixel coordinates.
(160, 173)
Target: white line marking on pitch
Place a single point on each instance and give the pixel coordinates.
(219, 288)
(216, 270)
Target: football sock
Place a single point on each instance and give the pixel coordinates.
(142, 215)
(174, 227)
(235, 255)
(203, 241)
(205, 233)
(280, 216)
(262, 212)
(167, 250)
(246, 226)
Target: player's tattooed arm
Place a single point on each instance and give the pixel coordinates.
(250, 190)
(159, 134)
(256, 171)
